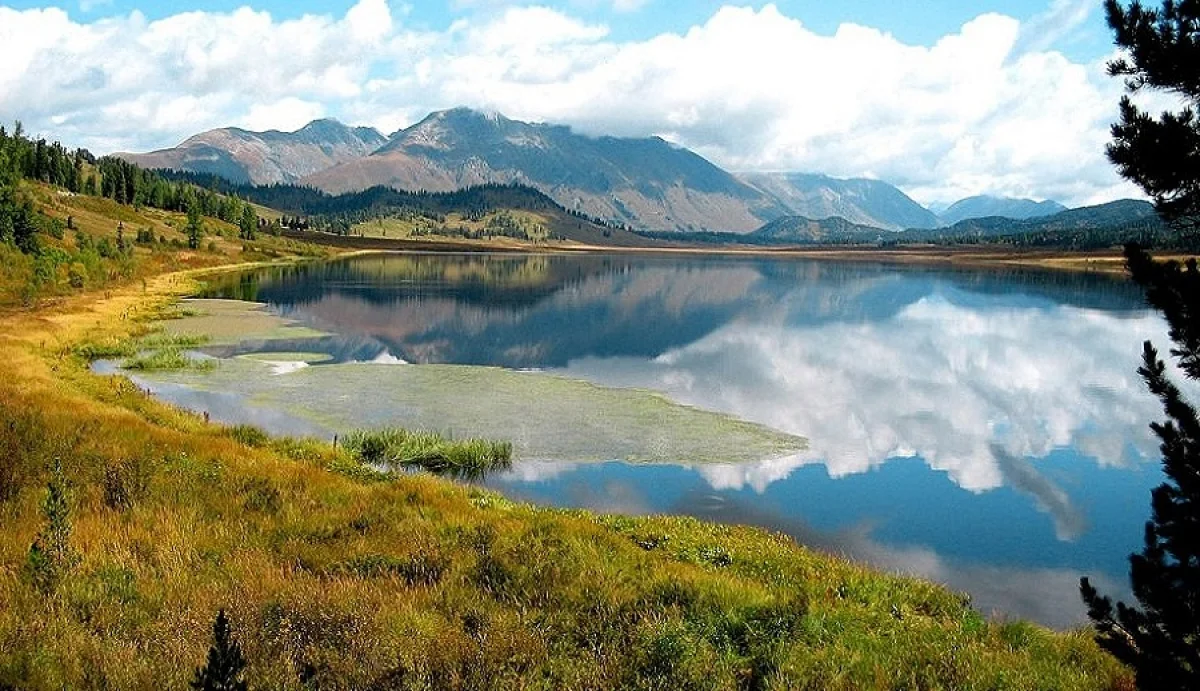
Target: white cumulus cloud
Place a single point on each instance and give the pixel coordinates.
(990, 108)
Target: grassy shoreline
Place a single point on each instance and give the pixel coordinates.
(337, 577)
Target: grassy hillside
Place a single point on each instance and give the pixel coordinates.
(489, 212)
(335, 576)
(89, 242)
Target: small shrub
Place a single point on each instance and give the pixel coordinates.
(421, 569)
(76, 275)
(716, 555)
(125, 483)
(223, 670)
(261, 496)
(248, 435)
(51, 556)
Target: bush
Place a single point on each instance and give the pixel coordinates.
(248, 435)
(125, 483)
(51, 556)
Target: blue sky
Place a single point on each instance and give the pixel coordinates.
(945, 99)
(920, 22)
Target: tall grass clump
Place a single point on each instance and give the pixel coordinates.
(167, 359)
(396, 447)
(164, 339)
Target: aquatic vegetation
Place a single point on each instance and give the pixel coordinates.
(546, 417)
(225, 322)
(168, 359)
(287, 357)
(397, 447)
(116, 347)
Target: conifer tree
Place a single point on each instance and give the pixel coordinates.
(223, 669)
(1160, 638)
(195, 229)
(248, 224)
(51, 556)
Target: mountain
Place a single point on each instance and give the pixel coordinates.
(265, 157)
(1118, 214)
(985, 206)
(860, 201)
(807, 231)
(645, 183)
(1104, 225)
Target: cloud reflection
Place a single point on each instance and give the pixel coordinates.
(1047, 595)
(969, 391)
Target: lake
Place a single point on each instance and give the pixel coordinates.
(982, 428)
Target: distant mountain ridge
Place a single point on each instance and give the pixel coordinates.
(262, 158)
(1102, 225)
(640, 182)
(858, 200)
(643, 183)
(984, 206)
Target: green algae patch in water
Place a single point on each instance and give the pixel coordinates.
(227, 322)
(309, 358)
(546, 417)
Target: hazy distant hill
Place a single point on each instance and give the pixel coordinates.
(860, 201)
(1118, 214)
(265, 157)
(984, 206)
(645, 183)
(800, 230)
(1105, 225)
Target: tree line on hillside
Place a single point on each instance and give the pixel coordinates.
(1148, 232)
(308, 208)
(79, 172)
(40, 254)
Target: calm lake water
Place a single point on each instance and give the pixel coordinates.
(985, 429)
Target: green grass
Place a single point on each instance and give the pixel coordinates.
(395, 447)
(109, 348)
(168, 360)
(163, 339)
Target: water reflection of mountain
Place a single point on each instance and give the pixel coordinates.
(546, 310)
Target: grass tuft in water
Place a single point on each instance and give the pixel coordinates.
(163, 339)
(396, 447)
(167, 359)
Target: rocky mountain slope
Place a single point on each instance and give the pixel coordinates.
(860, 201)
(645, 183)
(265, 157)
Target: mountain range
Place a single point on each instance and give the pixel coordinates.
(642, 183)
(264, 158)
(1101, 225)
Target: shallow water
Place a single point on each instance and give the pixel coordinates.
(986, 429)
